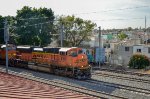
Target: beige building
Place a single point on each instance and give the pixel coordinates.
(123, 53)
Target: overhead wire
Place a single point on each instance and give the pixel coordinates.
(32, 18)
(82, 13)
(129, 8)
(90, 12)
(24, 26)
(119, 19)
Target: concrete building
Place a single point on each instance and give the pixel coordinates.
(125, 52)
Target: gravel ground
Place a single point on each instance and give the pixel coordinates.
(124, 82)
(130, 95)
(124, 75)
(98, 87)
(125, 93)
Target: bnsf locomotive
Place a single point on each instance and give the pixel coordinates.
(61, 61)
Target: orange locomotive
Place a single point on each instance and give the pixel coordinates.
(11, 52)
(61, 61)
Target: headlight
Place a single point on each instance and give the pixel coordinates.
(82, 56)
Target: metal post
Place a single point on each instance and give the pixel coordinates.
(6, 39)
(6, 57)
(99, 47)
(145, 31)
(61, 35)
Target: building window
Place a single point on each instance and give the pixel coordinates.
(139, 50)
(126, 48)
(149, 50)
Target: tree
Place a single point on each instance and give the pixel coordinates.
(10, 20)
(122, 36)
(129, 28)
(1, 30)
(76, 30)
(139, 61)
(12, 35)
(33, 26)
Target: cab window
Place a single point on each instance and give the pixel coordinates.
(73, 53)
(80, 52)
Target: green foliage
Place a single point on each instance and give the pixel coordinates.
(11, 23)
(1, 30)
(129, 28)
(122, 36)
(10, 20)
(139, 61)
(76, 30)
(33, 26)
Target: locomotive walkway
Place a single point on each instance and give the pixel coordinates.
(14, 87)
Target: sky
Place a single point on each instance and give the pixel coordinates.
(104, 13)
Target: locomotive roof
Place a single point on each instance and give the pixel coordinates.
(9, 45)
(24, 47)
(38, 49)
(3, 46)
(50, 47)
(64, 49)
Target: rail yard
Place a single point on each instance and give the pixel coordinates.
(99, 86)
(74, 49)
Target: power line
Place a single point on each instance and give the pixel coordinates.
(88, 12)
(85, 13)
(114, 10)
(119, 19)
(24, 26)
(32, 18)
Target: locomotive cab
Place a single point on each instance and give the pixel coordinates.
(77, 61)
(11, 51)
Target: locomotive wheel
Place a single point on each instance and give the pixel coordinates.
(11, 62)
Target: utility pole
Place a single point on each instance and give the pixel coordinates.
(6, 39)
(145, 31)
(61, 34)
(145, 22)
(99, 47)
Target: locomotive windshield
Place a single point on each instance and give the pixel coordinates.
(80, 52)
(73, 54)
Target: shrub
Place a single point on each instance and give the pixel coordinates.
(139, 61)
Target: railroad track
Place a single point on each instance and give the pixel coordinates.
(79, 89)
(124, 72)
(119, 86)
(123, 77)
(14, 87)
